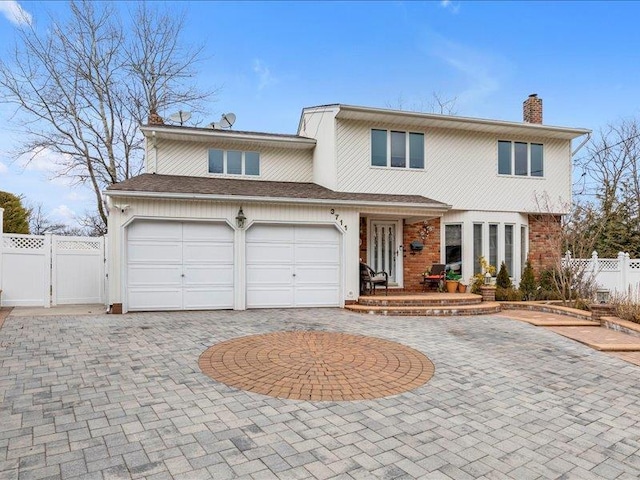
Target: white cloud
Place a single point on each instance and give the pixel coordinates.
(75, 196)
(453, 7)
(265, 78)
(480, 71)
(64, 213)
(15, 13)
(3, 168)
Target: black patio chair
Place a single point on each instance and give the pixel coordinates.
(369, 279)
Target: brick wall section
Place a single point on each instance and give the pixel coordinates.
(417, 262)
(544, 241)
(363, 239)
(532, 109)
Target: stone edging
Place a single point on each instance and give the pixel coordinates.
(620, 325)
(4, 313)
(546, 308)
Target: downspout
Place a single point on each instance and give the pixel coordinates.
(154, 146)
(579, 147)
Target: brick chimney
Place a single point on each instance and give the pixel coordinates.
(532, 109)
(154, 118)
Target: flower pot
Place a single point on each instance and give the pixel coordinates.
(462, 288)
(452, 286)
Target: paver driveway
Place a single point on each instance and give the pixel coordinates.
(123, 396)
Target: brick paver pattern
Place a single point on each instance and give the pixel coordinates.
(312, 365)
(121, 396)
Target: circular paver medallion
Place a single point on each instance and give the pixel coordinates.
(312, 365)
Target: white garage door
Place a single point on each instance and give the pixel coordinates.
(293, 266)
(179, 266)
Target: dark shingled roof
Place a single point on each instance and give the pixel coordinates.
(154, 183)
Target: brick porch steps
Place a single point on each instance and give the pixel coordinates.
(434, 310)
(422, 300)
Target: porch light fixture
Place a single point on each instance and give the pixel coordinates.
(487, 278)
(240, 218)
(602, 295)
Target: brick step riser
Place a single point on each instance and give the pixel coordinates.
(432, 312)
(370, 302)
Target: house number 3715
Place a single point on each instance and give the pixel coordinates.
(338, 219)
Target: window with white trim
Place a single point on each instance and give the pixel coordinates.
(477, 247)
(453, 247)
(390, 148)
(520, 159)
(493, 245)
(234, 162)
(508, 248)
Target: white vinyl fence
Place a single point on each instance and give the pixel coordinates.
(49, 270)
(621, 275)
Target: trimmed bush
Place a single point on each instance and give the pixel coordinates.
(528, 285)
(503, 279)
(509, 294)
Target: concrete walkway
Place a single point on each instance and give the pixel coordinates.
(108, 396)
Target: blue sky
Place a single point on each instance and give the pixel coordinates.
(271, 59)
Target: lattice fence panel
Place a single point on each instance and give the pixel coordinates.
(78, 245)
(608, 265)
(634, 264)
(26, 242)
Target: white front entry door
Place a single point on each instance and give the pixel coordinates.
(383, 249)
(293, 266)
(179, 266)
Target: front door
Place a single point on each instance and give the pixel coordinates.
(383, 250)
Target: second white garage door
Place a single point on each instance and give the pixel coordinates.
(293, 266)
(179, 266)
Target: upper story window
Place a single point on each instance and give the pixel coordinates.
(519, 158)
(390, 148)
(234, 162)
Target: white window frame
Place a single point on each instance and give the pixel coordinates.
(513, 159)
(407, 136)
(224, 163)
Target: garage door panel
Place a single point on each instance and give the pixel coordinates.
(207, 231)
(269, 296)
(207, 298)
(305, 234)
(208, 252)
(146, 230)
(208, 275)
(311, 253)
(317, 253)
(155, 274)
(317, 275)
(273, 274)
(156, 252)
(273, 233)
(155, 298)
(267, 253)
(179, 266)
(317, 296)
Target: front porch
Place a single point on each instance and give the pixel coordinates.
(423, 304)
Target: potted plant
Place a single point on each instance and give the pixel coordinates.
(462, 287)
(451, 281)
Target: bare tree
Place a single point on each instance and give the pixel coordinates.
(572, 236)
(436, 104)
(610, 184)
(40, 223)
(82, 86)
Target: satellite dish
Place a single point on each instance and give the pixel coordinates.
(180, 117)
(227, 120)
(215, 126)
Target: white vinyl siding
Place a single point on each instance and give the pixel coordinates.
(275, 164)
(460, 169)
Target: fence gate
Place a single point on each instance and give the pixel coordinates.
(49, 270)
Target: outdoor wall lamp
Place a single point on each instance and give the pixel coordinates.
(240, 218)
(487, 278)
(602, 295)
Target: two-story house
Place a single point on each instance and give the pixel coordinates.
(226, 219)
